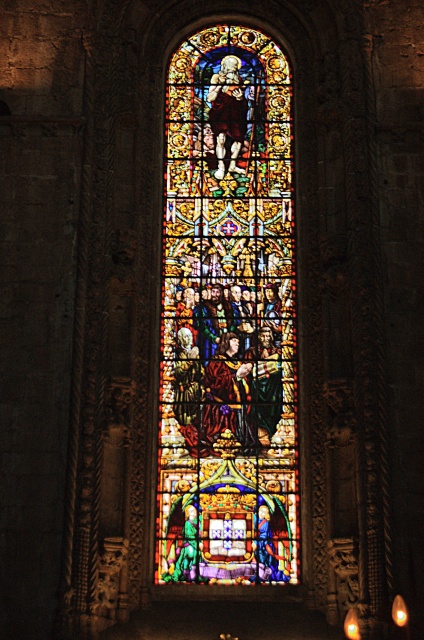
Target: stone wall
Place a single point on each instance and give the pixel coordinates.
(396, 35)
(41, 151)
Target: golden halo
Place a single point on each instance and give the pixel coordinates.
(231, 57)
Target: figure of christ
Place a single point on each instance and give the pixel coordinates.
(266, 385)
(227, 401)
(228, 115)
(213, 318)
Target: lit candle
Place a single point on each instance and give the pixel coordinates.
(399, 612)
(351, 625)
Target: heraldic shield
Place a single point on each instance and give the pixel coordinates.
(225, 530)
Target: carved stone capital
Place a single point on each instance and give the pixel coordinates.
(112, 564)
(342, 553)
(343, 557)
(113, 554)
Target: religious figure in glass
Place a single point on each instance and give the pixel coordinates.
(228, 113)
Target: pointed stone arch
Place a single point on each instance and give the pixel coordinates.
(106, 572)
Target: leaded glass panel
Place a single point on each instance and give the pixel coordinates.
(228, 486)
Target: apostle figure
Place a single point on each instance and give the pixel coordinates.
(212, 318)
(273, 309)
(228, 115)
(244, 329)
(227, 401)
(266, 385)
(188, 374)
(248, 298)
(184, 311)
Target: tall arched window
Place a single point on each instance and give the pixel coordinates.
(227, 493)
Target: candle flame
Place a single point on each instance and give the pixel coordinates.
(399, 612)
(351, 625)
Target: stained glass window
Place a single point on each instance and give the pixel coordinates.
(227, 494)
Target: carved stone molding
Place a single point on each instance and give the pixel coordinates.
(367, 322)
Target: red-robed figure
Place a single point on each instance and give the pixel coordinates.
(228, 115)
(227, 403)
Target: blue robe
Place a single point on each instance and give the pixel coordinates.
(266, 553)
